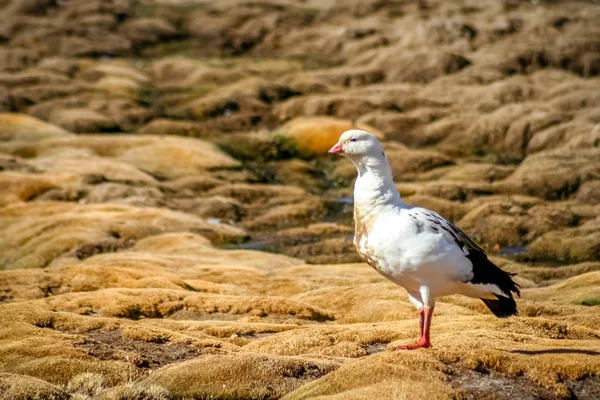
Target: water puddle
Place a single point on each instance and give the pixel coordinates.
(250, 245)
(375, 348)
(513, 251)
(340, 210)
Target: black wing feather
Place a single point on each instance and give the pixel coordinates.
(484, 271)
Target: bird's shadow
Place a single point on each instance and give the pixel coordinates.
(557, 351)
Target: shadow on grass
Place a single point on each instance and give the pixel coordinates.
(557, 351)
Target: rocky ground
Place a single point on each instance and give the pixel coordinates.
(172, 228)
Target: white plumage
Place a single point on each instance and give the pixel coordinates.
(414, 247)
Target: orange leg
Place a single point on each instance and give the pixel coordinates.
(425, 315)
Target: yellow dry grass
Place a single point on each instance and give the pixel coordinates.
(24, 128)
(145, 265)
(97, 295)
(266, 325)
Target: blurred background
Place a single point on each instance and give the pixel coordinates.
(476, 101)
(142, 141)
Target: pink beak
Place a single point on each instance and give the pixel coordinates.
(337, 149)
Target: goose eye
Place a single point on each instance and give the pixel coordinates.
(353, 139)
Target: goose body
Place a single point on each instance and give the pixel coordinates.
(416, 248)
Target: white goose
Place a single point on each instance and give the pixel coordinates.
(414, 247)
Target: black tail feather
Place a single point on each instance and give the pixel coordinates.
(486, 272)
(503, 307)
